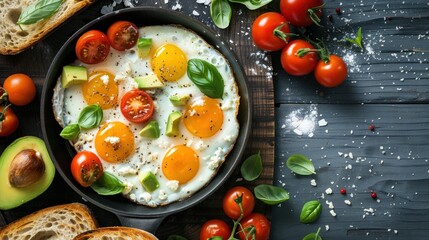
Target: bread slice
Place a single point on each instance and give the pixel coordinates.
(60, 222)
(13, 39)
(115, 233)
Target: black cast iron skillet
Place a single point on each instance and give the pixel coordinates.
(131, 214)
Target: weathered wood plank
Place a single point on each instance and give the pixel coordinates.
(392, 161)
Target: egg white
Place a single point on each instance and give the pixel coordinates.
(148, 155)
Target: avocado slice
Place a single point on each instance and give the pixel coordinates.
(149, 181)
(143, 47)
(73, 75)
(21, 181)
(179, 100)
(173, 121)
(147, 82)
(151, 130)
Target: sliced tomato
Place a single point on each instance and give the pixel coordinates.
(137, 106)
(86, 168)
(92, 47)
(123, 35)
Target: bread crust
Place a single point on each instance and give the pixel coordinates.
(56, 222)
(115, 233)
(14, 40)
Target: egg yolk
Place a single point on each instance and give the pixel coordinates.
(180, 163)
(203, 117)
(114, 142)
(169, 62)
(101, 89)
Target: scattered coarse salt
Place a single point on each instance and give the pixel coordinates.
(349, 166)
(326, 227)
(328, 191)
(347, 202)
(332, 212)
(195, 13)
(313, 182)
(330, 204)
(322, 122)
(178, 6)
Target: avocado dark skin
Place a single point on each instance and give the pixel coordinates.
(26, 171)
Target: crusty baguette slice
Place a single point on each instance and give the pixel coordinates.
(13, 39)
(115, 233)
(60, 222)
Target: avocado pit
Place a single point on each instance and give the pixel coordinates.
(26, 168)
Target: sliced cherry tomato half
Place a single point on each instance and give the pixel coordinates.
(215, 228)
(20, 89)
(256, 226)
(302, 13)
(86, 168)
(92, 47)
(123, 35)
(8, 121)
(294, 64)
(231, 208)
(137, 106)
(270, 31)
(332, 73)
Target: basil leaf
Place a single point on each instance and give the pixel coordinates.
(270, 194)
(70, 132)
(310, 211)
(313, 236)
(221, 13)
(90, 117)
(300, 164)
(108, 184)
(252, 4)
(39, 10)
(358, 40)
(206, 77)
(251, 168)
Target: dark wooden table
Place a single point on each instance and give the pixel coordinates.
(387, 86)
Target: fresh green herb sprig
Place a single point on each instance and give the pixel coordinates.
(313, 236)
(221, 11)
(310, 211)
(300, 165)
(206, 77)
(251, 168)
(357, 40)
(89, 117)
(270, 194)
(108, 184)
(39, 10)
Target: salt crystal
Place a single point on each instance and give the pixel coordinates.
(332, 212)
(328, 191)
(347, 202)
(322, 122)
(326, 227)
(313, 182)
(195, 13)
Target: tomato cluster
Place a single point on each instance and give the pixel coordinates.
(299, 57)
(18, 90)
(94, 46)
(238, 204)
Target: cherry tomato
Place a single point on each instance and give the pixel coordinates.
(123, 35)
(295, 65)
(264, 33)
(215, 228)
(9, 121)
(256, 224)
(137, 106)
(300, 12)
(332, 73)
(86, 168)
(231, 208)
(92, 47)
(20, 89)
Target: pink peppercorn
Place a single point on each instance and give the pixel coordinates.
(338, 11)
(343, 191)
(371, 127)
(374, 195)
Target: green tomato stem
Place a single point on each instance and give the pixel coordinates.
(3, 113)
(282, 35)
(238, 200)
(313, 16)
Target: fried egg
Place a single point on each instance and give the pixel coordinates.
(182, 164)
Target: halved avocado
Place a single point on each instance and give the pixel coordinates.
(26, 171)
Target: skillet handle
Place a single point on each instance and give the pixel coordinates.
(147, 224)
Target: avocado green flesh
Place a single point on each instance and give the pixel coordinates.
(73, 75)
(12, 197)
